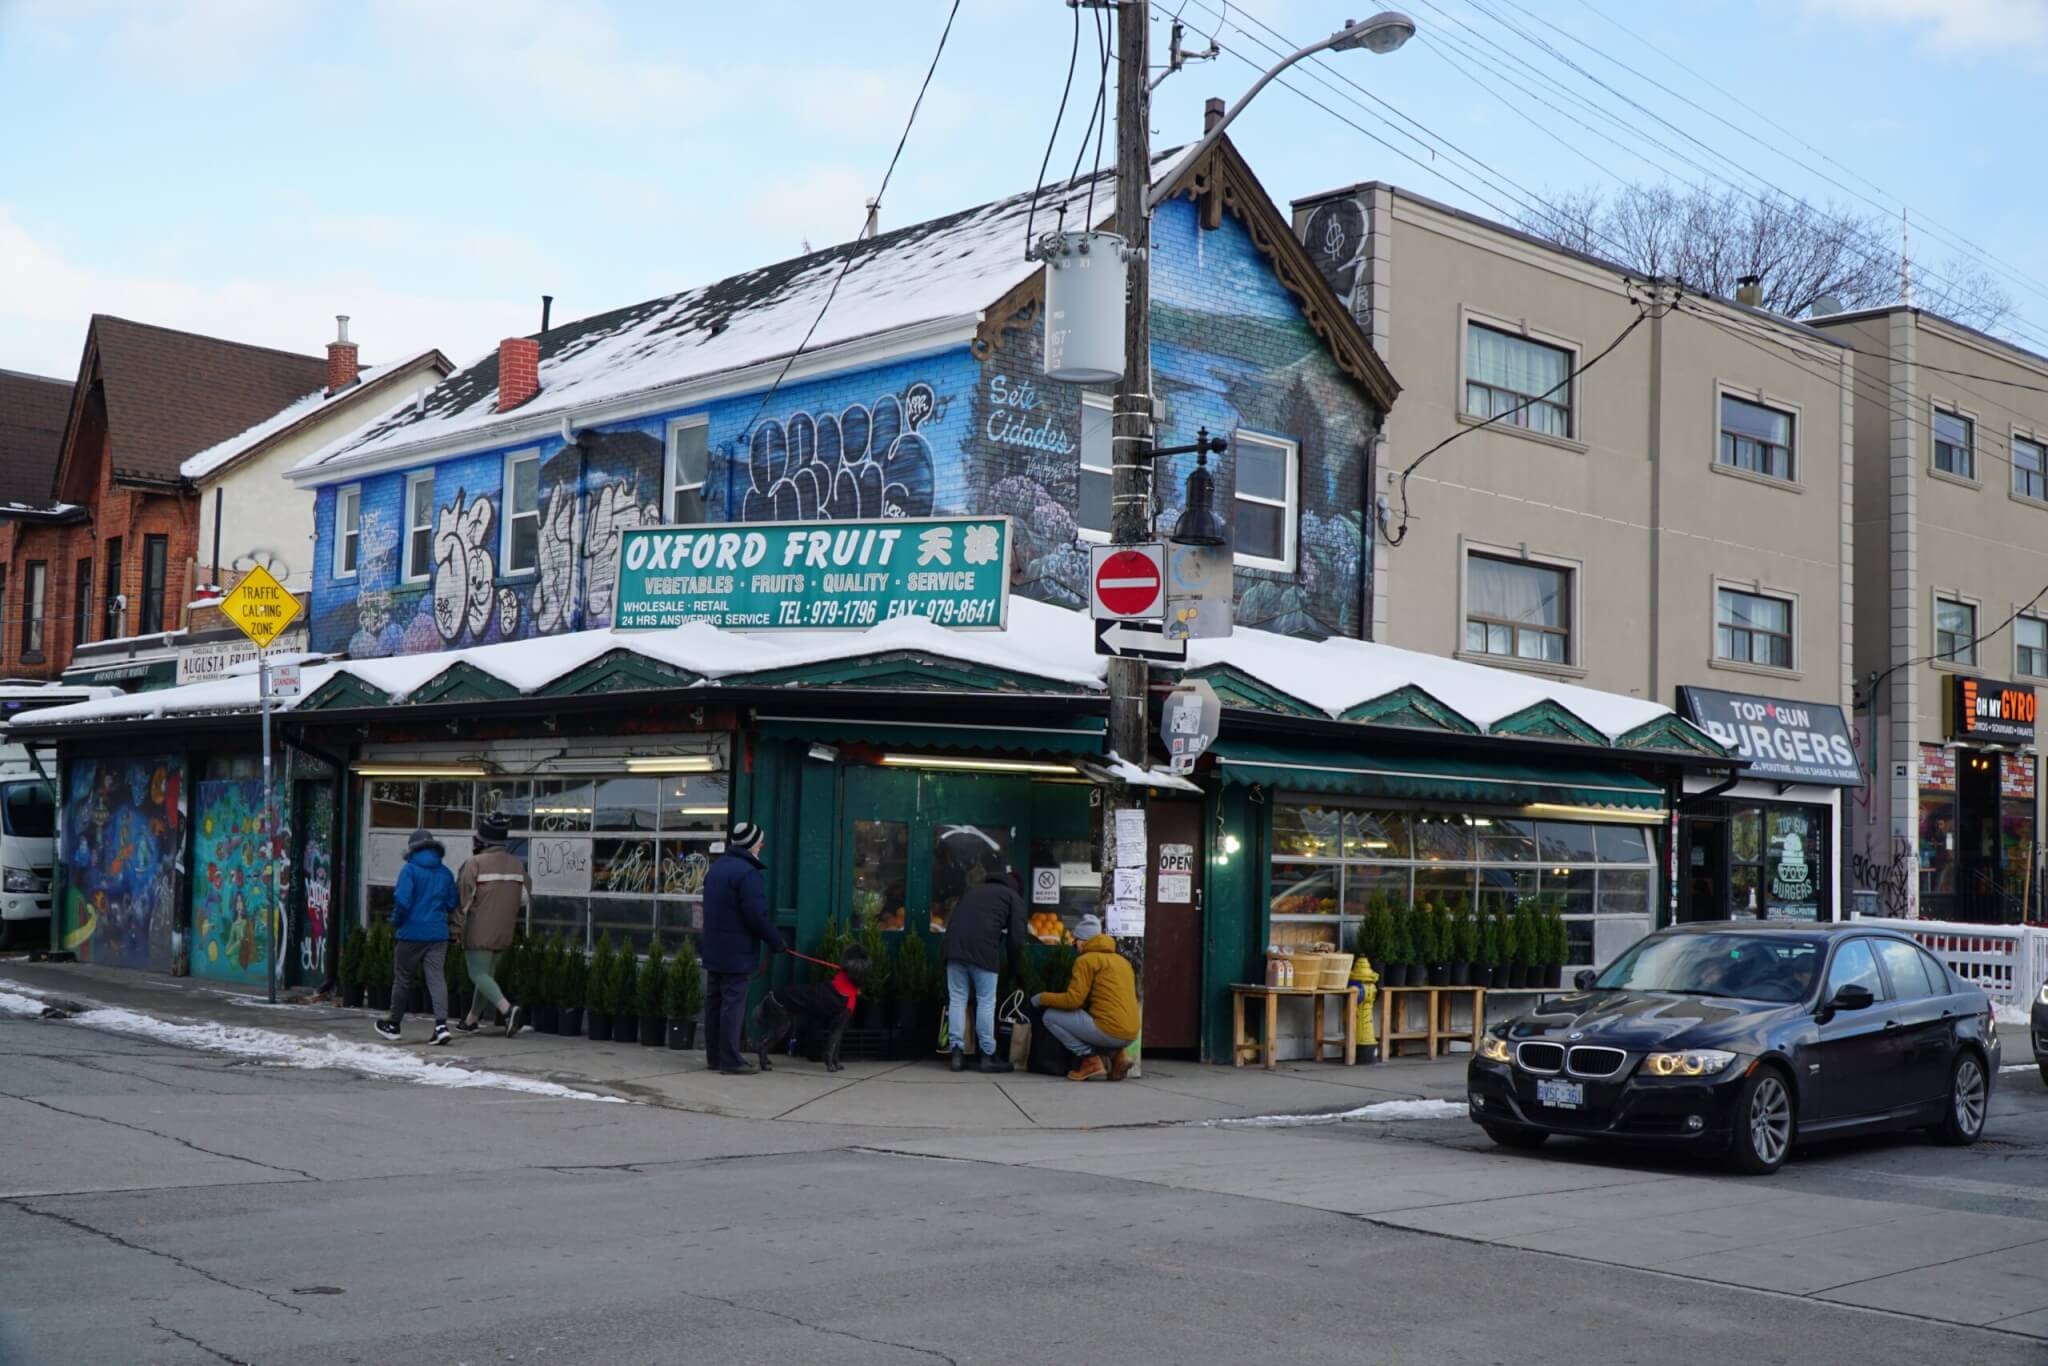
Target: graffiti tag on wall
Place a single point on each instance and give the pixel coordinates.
(863, 461)
(1891, 879)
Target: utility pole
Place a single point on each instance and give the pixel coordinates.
(1131, 430)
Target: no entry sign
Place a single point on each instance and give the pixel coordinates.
(1129, 581)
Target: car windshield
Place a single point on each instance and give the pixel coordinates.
(28, 810)
(1753, 967)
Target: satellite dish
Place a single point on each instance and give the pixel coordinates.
(1826, 304)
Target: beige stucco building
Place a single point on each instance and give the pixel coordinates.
(1951, 627)
(1676, 517)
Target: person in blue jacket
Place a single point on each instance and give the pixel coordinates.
(736, 924)
(419, 923)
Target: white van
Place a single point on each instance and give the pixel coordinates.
(28, 812)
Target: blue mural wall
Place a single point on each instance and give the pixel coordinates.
(231, 915)
(972, 430)
(122, 832)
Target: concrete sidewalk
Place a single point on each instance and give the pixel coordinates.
(919, 1094)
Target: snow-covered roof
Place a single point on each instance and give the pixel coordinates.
(1042, 641)
(299, 410)
(950, 267)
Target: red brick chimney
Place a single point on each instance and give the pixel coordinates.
(341, 357)
(518, 371)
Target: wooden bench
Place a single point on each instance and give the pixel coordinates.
(1438, 1029)
(1243, 1049)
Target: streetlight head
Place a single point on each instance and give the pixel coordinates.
(1383, 32)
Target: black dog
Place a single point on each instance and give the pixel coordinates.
(826, 1005)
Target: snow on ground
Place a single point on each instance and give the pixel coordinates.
(1378, 1110)
(383, 1061)
(2007, 1014)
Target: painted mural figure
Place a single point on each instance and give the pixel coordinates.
(121, 833)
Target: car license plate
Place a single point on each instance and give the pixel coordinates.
(1560, 1095)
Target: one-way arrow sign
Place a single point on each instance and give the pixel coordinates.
(1138, 640)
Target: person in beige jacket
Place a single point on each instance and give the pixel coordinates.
(491, 891)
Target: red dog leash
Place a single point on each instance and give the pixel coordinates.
(808, 959)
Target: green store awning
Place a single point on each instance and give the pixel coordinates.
(1085, 736)
(1436, 778)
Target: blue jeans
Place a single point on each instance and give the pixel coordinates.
(959, 978)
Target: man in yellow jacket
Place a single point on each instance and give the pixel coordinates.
(1098, 1012)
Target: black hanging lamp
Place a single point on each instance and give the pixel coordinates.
(1200, 523)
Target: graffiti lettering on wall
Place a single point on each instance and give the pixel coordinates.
(123, 830)
(463, 567)
(231, 892)
(316, 871)
(1015, 418)
(1892, 880)
(614, 510)
(554, 589)
(1336, 240)
(683, 870)
(376, 541)
(864, 461)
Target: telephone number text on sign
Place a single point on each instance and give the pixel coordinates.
(756, 576)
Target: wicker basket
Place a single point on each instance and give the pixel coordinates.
(1308, 968)
(1336, 971)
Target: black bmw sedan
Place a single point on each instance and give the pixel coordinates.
(1744, 1039)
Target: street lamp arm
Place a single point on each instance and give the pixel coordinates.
(1201, 149)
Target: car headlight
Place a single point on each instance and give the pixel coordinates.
(1696, 1062)
(18, 880)
(1493, 1048)
(2044, 993)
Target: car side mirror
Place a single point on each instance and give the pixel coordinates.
(1852, 996)
(1584, 978)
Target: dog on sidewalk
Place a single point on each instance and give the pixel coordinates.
(822, 1005)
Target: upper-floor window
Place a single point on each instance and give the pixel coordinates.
(1529, 380)
(1517, 608)
(2030, 639)
(1755, 437)
(1268, 478)
(1955, 631)
(419, 525)
(1094, 512)
(2029, 469)
(156, 569)
(1752, 628)
(1955, 444)
(521, 552)
(81, 603)
(348, 531)
(115, 622)
(35, 592)
(688, 466)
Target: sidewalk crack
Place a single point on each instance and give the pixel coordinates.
(820, 1328)
(213, 1352)
(117, 1240)
(154, 1133)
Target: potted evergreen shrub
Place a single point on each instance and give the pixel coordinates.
(598, 994)
(1394, 947)
(831, 947)
(541, 1011)
(353, 951)
(910, 970)
(1465, 935)
(877, 993)
(570, 990)
(377, 988)
(1436, 963)
(1510, 950)
(623, 998)
(652, 997)
(1486, 958)
(1526, 945)
(1560, 949)
(683, 995)
(455, 971)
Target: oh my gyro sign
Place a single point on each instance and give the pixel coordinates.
(846, 575)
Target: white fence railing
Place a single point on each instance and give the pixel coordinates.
(2010, 962)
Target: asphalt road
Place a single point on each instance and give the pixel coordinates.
(165, 1206)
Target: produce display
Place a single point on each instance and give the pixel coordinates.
(1048, 928)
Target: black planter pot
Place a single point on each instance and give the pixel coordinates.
(569, 1021)
(868, 1014)
(1491, 975)
(907, 1016)
(600, 1023)
(653, 1031)
(1439, 974)
(1461, 974)
(1553, 976)
(1523, 976)
(545, 1019)
(352, 996)
(380, 997)
(625, 1028)
(682, 1035)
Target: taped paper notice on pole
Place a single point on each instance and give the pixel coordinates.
(1126, 920)
(1130, 884)
(1177, 888)
(1130, 838)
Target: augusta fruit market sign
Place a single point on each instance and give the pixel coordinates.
(764, 576)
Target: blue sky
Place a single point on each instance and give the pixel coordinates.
(252, 167)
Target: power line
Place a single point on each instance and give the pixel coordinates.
(1073, 57)
(853, 251)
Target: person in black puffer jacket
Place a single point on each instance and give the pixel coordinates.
(989, 914)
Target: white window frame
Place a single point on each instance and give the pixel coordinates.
(2019, 669)
(1975, 478)
(1094, 406)
(418, 573)
(1757, 589)
(671, 463)
(348, 531)
(1575, 623)
(506, 568)
(1519, 327)
(1941, 661)
(1763, 399)
(2033, 437)
(1290, 505)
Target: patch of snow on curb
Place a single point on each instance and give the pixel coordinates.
(12, 1004)
(375, 1060)
(1378, 1110)
(2011, 1014)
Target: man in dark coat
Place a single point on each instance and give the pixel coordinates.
(736, 923)
(988, 913)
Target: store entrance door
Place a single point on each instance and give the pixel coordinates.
(1980, 894)
(1703, 862)
(1173, 930)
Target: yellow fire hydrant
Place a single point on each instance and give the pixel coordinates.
(1365, 985)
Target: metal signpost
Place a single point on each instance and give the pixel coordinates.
(261, 607)
(837, 575)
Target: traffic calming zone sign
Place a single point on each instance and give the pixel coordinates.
(260, 606)
(1129, 582)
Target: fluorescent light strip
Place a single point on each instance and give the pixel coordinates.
(1559, 810)
(421, 771)
(672, 763)
(977, 765)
